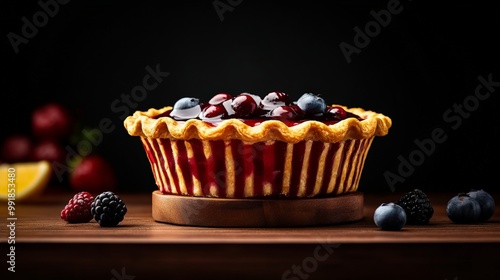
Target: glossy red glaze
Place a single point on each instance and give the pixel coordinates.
(185, 163)
(258, 120)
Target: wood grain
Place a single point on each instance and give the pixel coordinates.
(224, 212)
(40, 222)
(141, 248)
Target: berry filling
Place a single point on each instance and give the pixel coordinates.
(213, 112)
(219, 98)
(274, 99)
(312, 104)
(253, 110)
(244, 105)
(285, 113)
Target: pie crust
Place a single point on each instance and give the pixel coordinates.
(145, 124)
(232, 159)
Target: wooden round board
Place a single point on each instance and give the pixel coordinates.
(224, 212)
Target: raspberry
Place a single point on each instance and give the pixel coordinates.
(78, 208)
(108, 209)
(417, 206)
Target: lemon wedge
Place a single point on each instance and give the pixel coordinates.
(24, 180)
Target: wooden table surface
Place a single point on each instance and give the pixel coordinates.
(48, 246)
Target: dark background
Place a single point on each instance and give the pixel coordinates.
(423, 62)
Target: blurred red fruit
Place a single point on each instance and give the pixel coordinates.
(16, 148)
(93, 174)
(49, 150)
(51, 121)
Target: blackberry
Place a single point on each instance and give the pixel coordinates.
(417, 206)
(108, 209)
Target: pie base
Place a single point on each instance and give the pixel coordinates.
(217, 212)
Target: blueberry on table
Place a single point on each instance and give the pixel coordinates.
(486, 202)
(389, 216)
(463, 209)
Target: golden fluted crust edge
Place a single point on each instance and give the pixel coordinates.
(143, 123)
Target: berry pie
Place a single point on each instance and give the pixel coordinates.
(245, 146)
